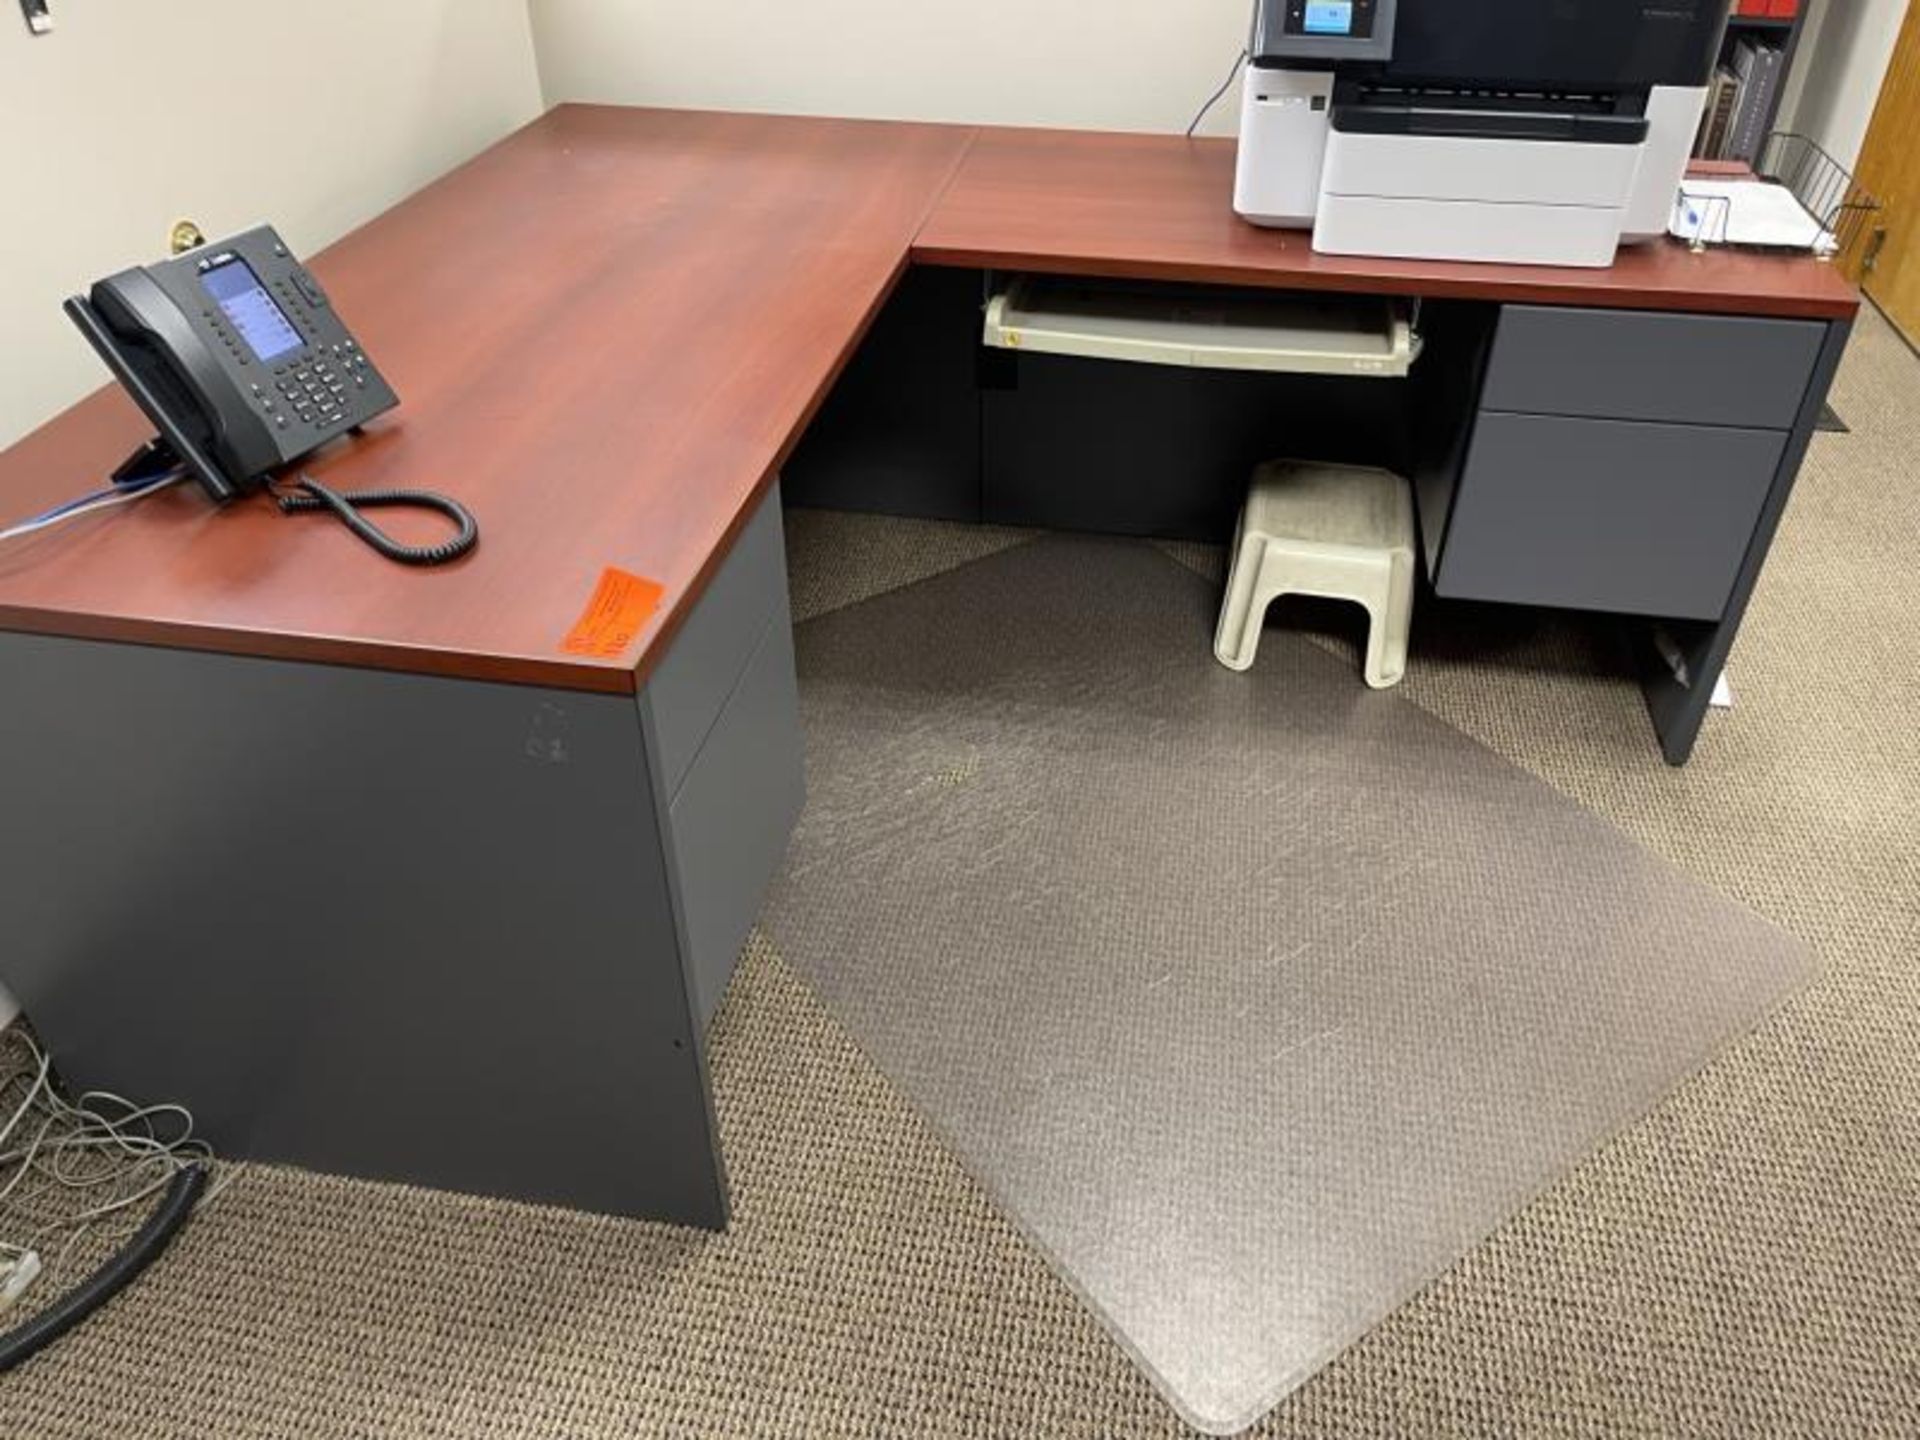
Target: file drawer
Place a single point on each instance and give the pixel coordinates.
(1639, 365)
(718, 638)
(1606, 515)
(729, 825)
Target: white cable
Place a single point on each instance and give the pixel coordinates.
(68, 1165)
(105, 502)
(26, 1104)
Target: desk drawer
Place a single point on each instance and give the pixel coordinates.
(713, 647)
(1606, 515)
(729, 825)
(1639, 365)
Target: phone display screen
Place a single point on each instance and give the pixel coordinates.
(263, 325)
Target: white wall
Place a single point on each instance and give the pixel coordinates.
(1794, 89)
(1117, 65)
(1844, 49)
(314, 116)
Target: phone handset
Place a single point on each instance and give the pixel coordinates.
(167, 369)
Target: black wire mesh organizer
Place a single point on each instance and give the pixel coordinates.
(1838, 204)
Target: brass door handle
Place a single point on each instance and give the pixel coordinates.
(1875, 243)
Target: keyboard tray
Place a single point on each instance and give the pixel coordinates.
(1206, 327)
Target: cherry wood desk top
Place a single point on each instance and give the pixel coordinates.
(607, 333)
(1160, 207)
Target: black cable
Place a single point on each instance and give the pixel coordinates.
(183, 1191)
(1214, 99)
(348, 505)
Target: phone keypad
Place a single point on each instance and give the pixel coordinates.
(317, 389)
(315, 393)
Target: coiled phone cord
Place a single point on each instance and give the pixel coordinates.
(348, 505)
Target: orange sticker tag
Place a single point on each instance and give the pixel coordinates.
(620, 605)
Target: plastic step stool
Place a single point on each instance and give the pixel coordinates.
(1340, 531)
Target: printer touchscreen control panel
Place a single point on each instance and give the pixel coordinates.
(1323, 30)
(1347, 19)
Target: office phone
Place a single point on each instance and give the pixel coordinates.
(245, 367)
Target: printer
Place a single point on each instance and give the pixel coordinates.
(1540, 132)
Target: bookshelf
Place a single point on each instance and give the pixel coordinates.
(1743, 99)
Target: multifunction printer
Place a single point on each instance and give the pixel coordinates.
(1524, 131)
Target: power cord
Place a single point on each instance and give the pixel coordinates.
(1214, 99)
(347, 505)
(69, 1166)
(28, 1340)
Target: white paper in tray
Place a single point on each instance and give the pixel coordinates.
(1746, 212)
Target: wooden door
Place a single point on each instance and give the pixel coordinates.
(1890, 169)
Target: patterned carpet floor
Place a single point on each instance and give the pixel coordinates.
(1745, 1261)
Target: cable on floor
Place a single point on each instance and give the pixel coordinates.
(69, 1167)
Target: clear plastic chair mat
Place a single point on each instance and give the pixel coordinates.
(1254, 1000)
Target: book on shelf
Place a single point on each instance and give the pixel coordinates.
(1756, 67)
(1716, 117)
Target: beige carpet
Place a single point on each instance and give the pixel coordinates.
(1744, 1262)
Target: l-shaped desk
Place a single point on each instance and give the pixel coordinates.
(433, 876)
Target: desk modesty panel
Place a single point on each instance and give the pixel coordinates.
(608, 331)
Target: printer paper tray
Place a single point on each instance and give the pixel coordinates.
(1204, 327)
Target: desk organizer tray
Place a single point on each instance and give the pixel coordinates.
(1204, 327)
(1796, 199)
